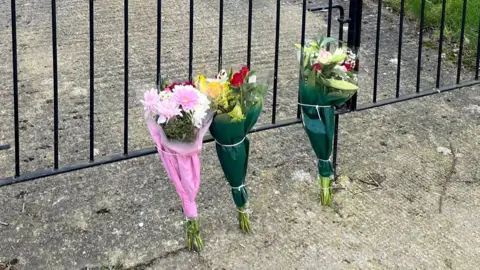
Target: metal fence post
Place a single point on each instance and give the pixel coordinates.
(354, 32)
(353, 42)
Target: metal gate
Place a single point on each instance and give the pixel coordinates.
(353, 21)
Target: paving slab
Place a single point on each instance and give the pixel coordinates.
(409, 197)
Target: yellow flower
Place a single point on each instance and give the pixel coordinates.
(210, 87)
(236, 114)
(214, 89)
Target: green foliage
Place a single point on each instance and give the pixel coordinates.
(193, 235)
(236, 114)
(247, 95)
(329, 75)
(244, 220)
(226, 101)
(163, 83)
(453, 22)
(341, 85)
(180, 129)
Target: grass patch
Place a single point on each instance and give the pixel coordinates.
(453, 24)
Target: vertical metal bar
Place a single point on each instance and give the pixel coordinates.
(15, 89)
(55, 84)
(190, 51)
(462, 37)
(440, 45)
(249, 39)
(125, 105)
(420, 45)
(302, 43)
(400, 40)
(355, 23)
(354, 36)
(92, 82)
(220, 36)
(477, 66)
(329, 18)
(340, 35)
(159, 43)
(377, 50)
(275, 71)
(335, 145)
(342, 22)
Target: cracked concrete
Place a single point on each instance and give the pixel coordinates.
(126, 215)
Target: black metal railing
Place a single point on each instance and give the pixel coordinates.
(354, 21)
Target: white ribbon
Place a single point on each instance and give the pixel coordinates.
(231, 145)
(190, 218)
(326, 160)
(239, 187)
(315, 106)
(247, 211)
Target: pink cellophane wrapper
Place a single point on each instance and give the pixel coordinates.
(181, 162)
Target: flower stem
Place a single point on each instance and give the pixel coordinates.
(193, 234)
(326, 185)
(244, 220)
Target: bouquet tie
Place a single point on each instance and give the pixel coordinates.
(231, 145)
(314, 106)
(239, 187)
(178, 116)
(328, 80)
(238, 101)
(247, 211)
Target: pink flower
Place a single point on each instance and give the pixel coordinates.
(324, 53)
(150, 99)
(166, 109)
(324, 57)
(168, 90)
(185, 95)
(342, 68)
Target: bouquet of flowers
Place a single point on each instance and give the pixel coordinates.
(238, 101)
(328, 81)
(178, 117)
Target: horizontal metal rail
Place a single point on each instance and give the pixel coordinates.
(415, 95)
(354, 21)
(119, 157)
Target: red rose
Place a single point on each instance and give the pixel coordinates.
(244, 71)
(174, 84)
(317, 67)
(237, 79)
(349, 64)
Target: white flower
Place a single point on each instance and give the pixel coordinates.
(161, 119)
(339, 51)
(324, 57)
(165, 95)
(200, 110)
(252, 79)
(222, 76)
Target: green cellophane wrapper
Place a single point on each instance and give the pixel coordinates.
(234, 159)
(319, 124)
